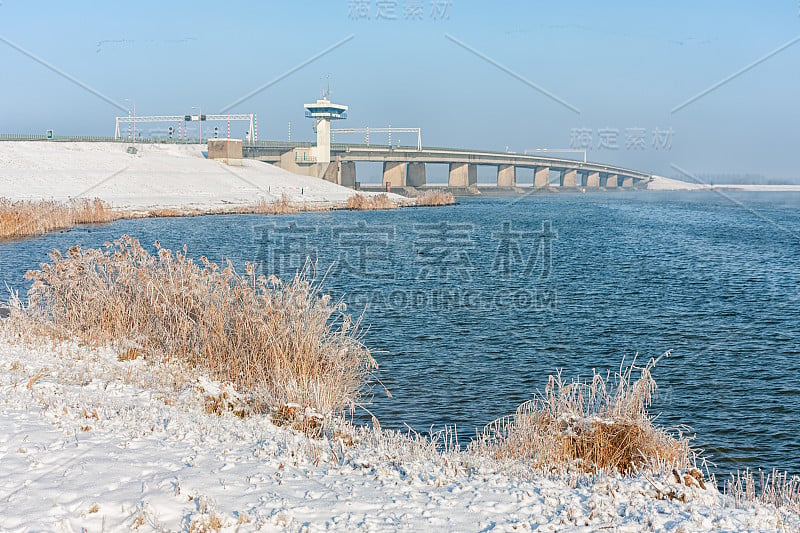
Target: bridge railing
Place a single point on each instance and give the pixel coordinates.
(139, 140)
(95, 138)
(277, 144)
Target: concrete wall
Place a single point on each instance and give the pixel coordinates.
(612, 181)
(506, 176)
(394, 173)
(347, 174)
(323, 148)
(569, 178)
(415, 175)
(332, 172)
(293, 162)
(462, 175)
(627, 182)
(541, 177)
(228, 151)
(592, 180)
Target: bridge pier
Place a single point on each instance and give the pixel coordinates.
(331, 172)
(403, 167)
(569, 178)
(541, 177)
(506, 176)
(394, 173)
(462, 175)
(347, 174)
(415, 175)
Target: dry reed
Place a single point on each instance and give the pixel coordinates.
(278, 343)
(435, 198)
(278, 207)
(360, 202)
(284, 206)
(777, 489)
(26, 218)
(592, 426)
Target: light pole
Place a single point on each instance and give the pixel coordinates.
(200, 119)
(134, 118)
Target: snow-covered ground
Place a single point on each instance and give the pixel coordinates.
(157, 176)
(660, 183)
(89, 443)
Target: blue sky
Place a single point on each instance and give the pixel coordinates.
(624, 66)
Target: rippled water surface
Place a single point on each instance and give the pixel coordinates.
(470, 307)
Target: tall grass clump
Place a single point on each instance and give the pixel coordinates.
(435, 198)
(360, 202)
(283, 206)
(281, 343)
(26, 218)
(778, 489)
(592, 425)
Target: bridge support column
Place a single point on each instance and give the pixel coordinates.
(612, 181)
(592, 180)
(569, 178)
(627, 182)
(462, 175)
(331, 173)
(415, 174)
(347, 174)
(541, 177)
(394, 173)
(506, 176)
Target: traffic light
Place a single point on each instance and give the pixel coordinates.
(170, 132)
(216, 132)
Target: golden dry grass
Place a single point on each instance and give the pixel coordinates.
(19, 219)
(168, 212)
(435, 198)
(206, 524)
(360, 202)
(277, 342)
(283, 206)
(592, 426)
(29, 218)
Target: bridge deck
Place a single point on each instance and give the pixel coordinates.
(271, 151)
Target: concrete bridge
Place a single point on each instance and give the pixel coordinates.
(406, 166)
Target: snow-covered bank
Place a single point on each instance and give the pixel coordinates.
(660, 183)
(158, 176)
(88, 441)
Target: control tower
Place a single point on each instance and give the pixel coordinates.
(323, 111)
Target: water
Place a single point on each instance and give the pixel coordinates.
(468, 319)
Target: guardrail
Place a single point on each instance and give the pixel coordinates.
(277, 144)
(97, 138)
(304, 157)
